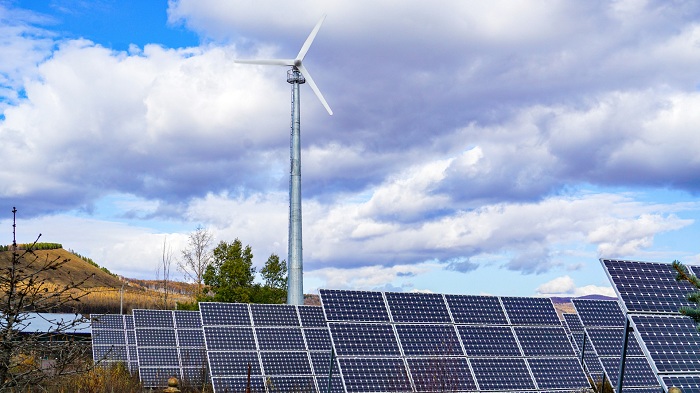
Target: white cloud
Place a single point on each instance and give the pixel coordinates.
(565, 286)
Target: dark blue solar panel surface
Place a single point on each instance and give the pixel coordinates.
(530, 311)
(441, 374)
(672, 341)
(280, 339)
(357, 306)
(687, 383)
(608, 342)
(272, 342)
(488, 341)
(237, 384)
(312, 316)
(417, 307)
(647, 286)
(544, 341)
(111, 335)
(502, 374)
(154, 319)
(355, 339)
(225, 314)
(374, 375)
(188, 319)
(321, 362)
(599, 313)
(274, 315)
(558, 373)
(468, 309)
(573, 322)
(429, 340)
(638, 373)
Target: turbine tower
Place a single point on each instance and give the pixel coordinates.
(296, 76)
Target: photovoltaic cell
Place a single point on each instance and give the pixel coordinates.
(468, 309)
(608, 342)
(229, 338)
(222, 364)
(599, 313)
(417, 307)
(638, 373)
(557, 373)
(647, 286)
(573, 322)
(280, 339)
(274, 315)
(318, 339)
(374, 375)
(687, 383)
(224, 314)
(112, 335)
(530, 311)
(357, 306)
(441, 374)
(543, 341)
(429, 340)
(285, 363)
(673, 342)
(356, 339)
(492, 341)
(290, 384)
(502, 374)
(312, 316)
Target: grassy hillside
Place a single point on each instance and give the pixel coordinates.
(103, 288)
(73, 271)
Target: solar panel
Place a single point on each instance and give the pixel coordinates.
(356, 339)
(490, 341)
(467, 309)
(557, 373)
(687, 383)
(113, 340)
(356, 306)
(572, 322)
(362, 375)
(638, 373)
(647, 286)
(170, 343)
(608, 342)
(429, 340)
(502, 374)
(530, 311)
(417, 307)
(477, 349)
(599, 313)
(544, 341)
(285, 347)
(673, 342)
(441, 374)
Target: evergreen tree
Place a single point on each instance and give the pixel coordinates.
(682, 274)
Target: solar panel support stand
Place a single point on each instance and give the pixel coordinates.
(330, 372)
(602, 383)
(625, 340)
(583, 348)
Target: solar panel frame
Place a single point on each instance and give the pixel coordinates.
(671, 342)
(479, 310)
(549, 341)
(599, 313)
(572, 322)
(557, 373)
(541, 311)
(354, 306)
(113, 340)
(417, 307)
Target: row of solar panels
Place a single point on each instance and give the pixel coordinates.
(651, 298)
(415, 342)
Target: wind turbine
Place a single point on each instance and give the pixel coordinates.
(296, 76)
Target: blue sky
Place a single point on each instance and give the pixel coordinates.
(485, 147)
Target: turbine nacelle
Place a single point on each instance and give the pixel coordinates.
(298, 64)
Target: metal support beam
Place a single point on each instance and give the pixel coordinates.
(623, 355)
(295, 281)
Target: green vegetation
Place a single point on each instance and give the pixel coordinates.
(230, 277)
(682, 274)
(34, 246)
(90, 261)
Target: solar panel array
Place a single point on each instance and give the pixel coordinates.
(114, 341)
(652, 298)
(604, 325)
(388, 341)
(170, 343)
(284, 347)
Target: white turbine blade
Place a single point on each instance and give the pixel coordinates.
(310, 39)
(311, 83)
(282, 62)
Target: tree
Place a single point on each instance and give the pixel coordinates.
(230, 275)
(24, 291)
(197, 256)
(683, 274)
(274, 274)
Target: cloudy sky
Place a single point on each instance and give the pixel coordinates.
(477, 147)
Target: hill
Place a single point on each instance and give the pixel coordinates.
(75, 270)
